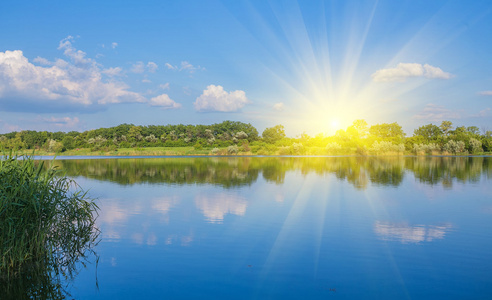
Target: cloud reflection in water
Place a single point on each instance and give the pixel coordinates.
(405, 233)
(215, 207)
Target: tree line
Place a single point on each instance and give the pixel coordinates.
(231, 137)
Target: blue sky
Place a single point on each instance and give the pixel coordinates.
(312, 66)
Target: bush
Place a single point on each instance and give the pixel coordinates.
(333, 147)
(423, 149)
(298, 148)
(387, 147)
(232, 149)
(475, 145)
(245, 147)
(454, 147)
(45, 218)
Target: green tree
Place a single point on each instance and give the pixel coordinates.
(446, 126)
(392, 131)
(361, 127)
(68, 142)
(475, 145)
(135, 133)
(473, 130)
(430, 132)
(273, 134)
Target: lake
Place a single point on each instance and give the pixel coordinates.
(288, 227)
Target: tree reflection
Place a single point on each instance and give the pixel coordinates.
(243, 171)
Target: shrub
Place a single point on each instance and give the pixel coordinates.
(151, 138)
(475, 145)
(422, 148)
(245, 147)
(45, 218)
(298, 148)
(454, 147)
(333, 147)
(387, 147)
(232, 149)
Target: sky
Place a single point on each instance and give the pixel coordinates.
(311, 66)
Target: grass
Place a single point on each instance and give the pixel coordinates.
(47, 223)
(184, 151)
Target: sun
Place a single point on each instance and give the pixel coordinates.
(335, 124)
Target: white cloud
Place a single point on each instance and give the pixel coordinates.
(214, 98)
(114, 45)
(486, 93)
(171, 67)
(152, 67)
(279, 106)
(62, 122)
(436, 113)
(113, 71)
(408, 70)
(164, 101)
(146, 80)
(483, 113)
(42, 61)
(164, 86)
(77, 56)
(185, 66)
(435, 72)
(138, 67)
(64, 83)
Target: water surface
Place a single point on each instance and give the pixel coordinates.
(289, 228)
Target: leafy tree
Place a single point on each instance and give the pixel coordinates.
(430, 132)
(386, 131)
(473, 130)
(475, 145)
(361, 127)
(446, 126)
(33, 139)
(273, 134)
(68, 142)
(135, 133)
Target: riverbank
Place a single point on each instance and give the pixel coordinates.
(191, 151)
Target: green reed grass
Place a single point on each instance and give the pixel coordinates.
(45, 219)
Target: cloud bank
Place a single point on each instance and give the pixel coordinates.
(62, 122)
(78, 81)
(403, 71)
(214, 98)
(436, 113)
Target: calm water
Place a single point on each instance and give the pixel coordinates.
(289, 228)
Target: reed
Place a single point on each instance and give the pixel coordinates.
(45, 219)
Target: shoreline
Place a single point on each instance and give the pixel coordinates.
(191, 152)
